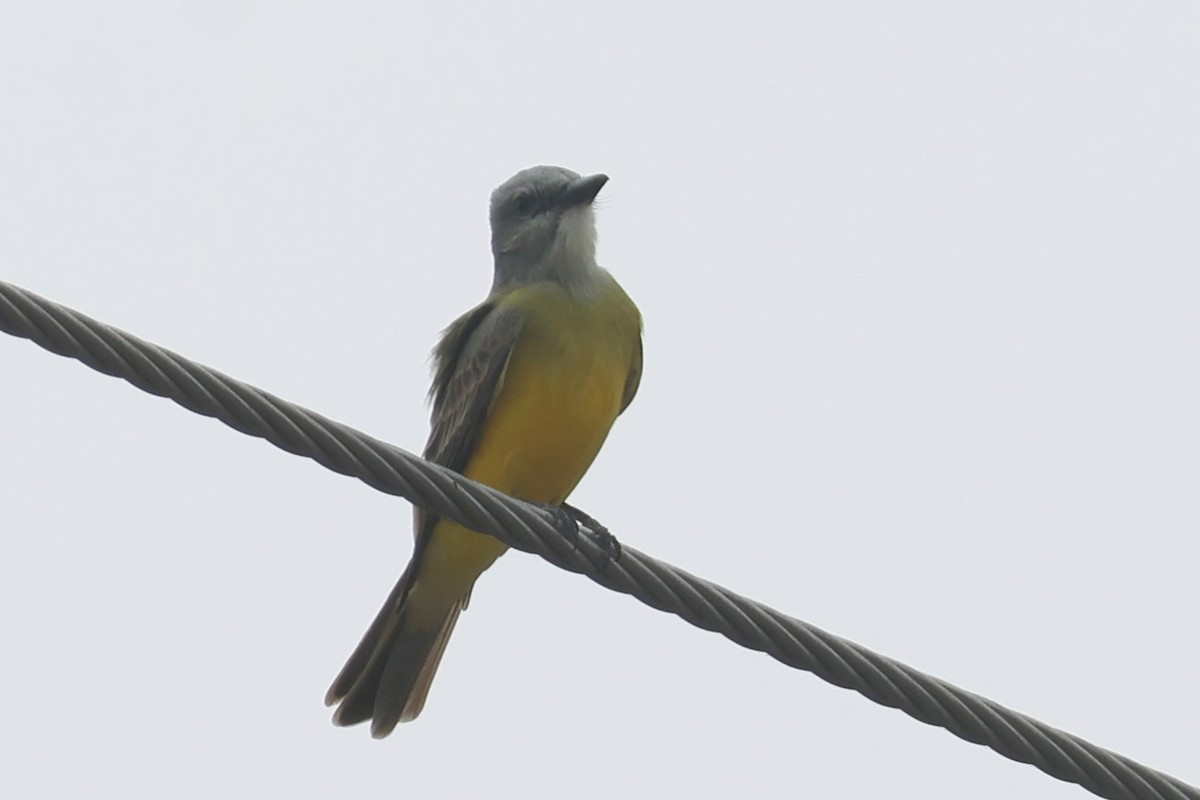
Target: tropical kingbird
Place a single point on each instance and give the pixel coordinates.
(526, 386)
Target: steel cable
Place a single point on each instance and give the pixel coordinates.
(545, 533)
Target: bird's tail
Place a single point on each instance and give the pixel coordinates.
(387, 678)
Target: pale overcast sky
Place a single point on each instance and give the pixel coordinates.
(920, 291)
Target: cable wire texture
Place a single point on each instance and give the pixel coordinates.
(540, 531)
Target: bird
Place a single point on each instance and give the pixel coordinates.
(526, 386)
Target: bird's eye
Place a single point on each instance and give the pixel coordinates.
(524, 204)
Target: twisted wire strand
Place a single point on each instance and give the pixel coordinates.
(540, 531)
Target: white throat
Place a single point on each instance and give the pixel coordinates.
(574, 245)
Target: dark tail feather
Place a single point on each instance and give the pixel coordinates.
(387, 677)
(406, 679)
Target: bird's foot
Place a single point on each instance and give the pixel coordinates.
(599, 534)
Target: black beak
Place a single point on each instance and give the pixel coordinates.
(582, 191)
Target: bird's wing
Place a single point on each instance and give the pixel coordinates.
(470, 361)
(634, 379)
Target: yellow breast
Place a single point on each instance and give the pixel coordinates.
(561, 392)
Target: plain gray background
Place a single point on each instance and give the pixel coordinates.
(920, 290)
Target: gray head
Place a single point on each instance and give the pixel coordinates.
(543, 227)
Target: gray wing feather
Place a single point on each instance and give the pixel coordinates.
(634, 379)
(470, 362)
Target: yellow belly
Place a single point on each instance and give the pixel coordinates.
(560, 395)
(549, 421)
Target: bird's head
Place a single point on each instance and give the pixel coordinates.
(543, 227)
